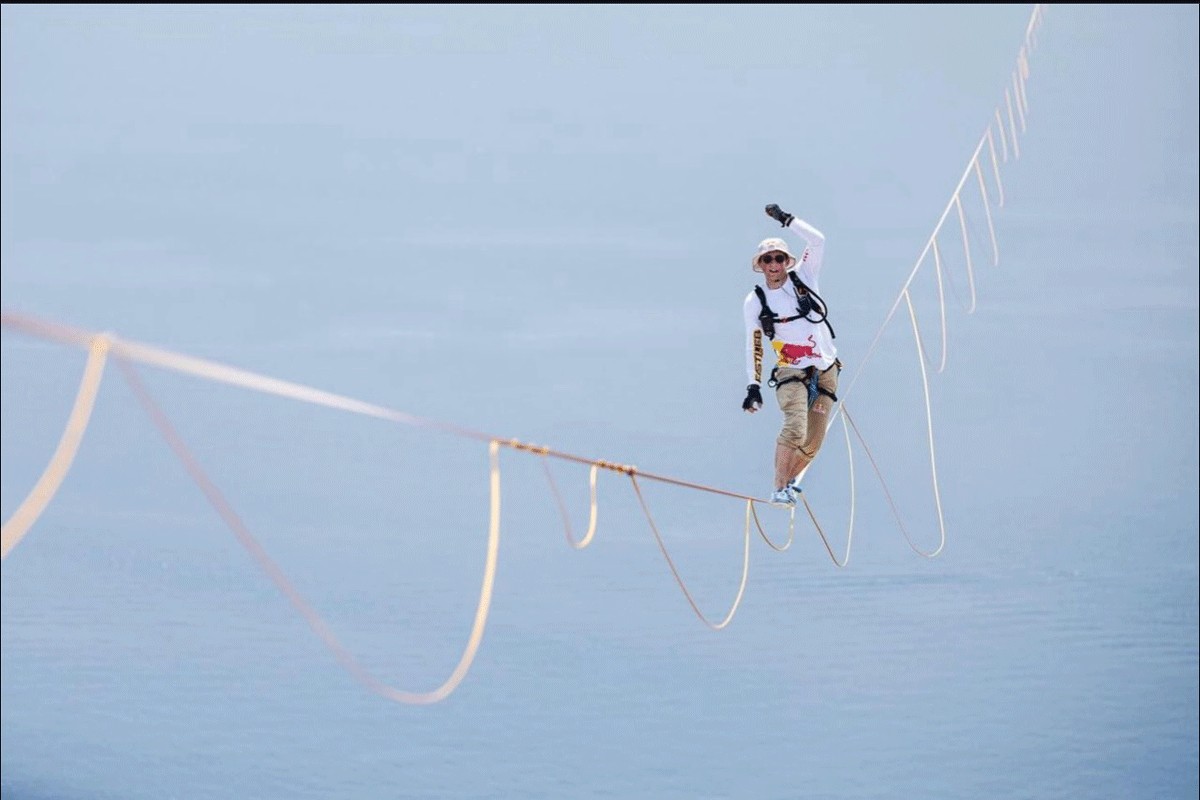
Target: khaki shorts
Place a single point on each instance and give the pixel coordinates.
(803, 426)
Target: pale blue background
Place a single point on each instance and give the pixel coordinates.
(536, 222)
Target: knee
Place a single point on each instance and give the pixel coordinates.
(790, 442)
(792, 437)
(811, 444)
(809, 450)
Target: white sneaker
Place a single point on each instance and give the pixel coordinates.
(795, 489)
(782, 497)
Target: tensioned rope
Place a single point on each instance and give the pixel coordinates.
(102, 346)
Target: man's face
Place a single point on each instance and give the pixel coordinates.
(774, 264)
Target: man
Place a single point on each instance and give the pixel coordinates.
(792, 317)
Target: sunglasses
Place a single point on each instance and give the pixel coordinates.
(778, 258)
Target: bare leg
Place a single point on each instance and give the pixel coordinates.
(797, 464)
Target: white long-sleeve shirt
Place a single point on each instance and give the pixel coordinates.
(799, 343)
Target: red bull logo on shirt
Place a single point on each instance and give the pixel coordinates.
(793, 353)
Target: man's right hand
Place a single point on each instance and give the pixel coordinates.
(753, 401)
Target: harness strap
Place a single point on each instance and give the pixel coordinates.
(807, 300)
(817, 303)
(774, 384)
(811, 378)
(766, 319)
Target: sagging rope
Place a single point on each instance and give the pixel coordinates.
(320, 627)
(16, 526)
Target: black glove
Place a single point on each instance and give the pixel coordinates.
(753, 399)
(779, 215)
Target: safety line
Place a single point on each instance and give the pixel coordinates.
(844, 560)
(716, 626)
(566, 518)
(937, 264)
(778, 548)
(937, 492)
(16, 526)
(886, 492)
(280, 579)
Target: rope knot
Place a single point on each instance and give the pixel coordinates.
(615, 467)
(517, 444)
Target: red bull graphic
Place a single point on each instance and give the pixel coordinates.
(794, 353)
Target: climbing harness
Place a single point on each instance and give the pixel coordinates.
(811, 377)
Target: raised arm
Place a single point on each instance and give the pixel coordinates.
(814, 252)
